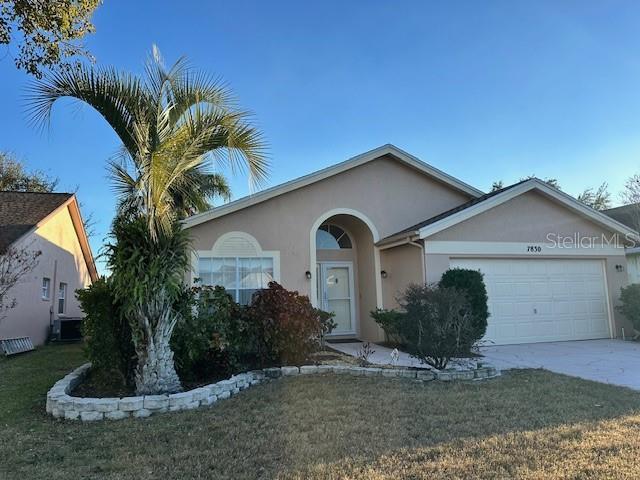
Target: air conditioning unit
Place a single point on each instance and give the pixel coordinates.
(66, 329)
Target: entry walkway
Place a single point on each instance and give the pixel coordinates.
(382, 356)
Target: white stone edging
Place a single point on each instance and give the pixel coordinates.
(60, 404)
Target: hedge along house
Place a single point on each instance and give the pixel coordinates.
(354, 235)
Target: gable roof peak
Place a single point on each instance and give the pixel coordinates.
(20, 212)
(361, 159)
(490, 200)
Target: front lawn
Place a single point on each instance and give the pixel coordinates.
(527, 424)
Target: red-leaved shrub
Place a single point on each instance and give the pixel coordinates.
(287, 326)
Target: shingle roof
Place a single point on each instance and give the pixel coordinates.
(459, 208)
(628, 215)
(21, 211)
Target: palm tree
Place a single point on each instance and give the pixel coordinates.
(174, 124)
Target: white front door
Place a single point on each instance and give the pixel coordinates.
(336, 294)
(543, 300)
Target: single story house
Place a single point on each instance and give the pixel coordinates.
(354, 235)
(630, 216)
(49, 223)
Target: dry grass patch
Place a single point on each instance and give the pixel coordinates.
(527, 424)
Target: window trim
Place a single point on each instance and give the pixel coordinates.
(345, 233)
(217, 252)
(45, 296)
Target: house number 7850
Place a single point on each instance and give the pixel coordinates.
(534, 249)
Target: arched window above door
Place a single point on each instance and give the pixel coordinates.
(332, 237)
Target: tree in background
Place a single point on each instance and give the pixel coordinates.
(497, 185)
(630, 195)
(15, 177)
(599, 199)
(47, 33)
(173, 124)
(552, 182)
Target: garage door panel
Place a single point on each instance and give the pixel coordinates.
(502, 309)
(593, 287)
(577, 289)
(583, 327)
(521, 288)
(597, 308)
(562, 308)
(504, 289)
(543, 300)
(523, 308)
(540, 289)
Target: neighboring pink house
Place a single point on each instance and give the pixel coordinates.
(50, 223)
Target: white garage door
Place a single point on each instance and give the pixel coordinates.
(543, 300)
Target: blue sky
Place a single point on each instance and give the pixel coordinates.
(484, 90)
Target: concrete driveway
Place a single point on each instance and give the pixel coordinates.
(608, 361)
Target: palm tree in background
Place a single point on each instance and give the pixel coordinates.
(174, 124)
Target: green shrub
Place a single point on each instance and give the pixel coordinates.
(214, 338)
(630, 304)
(326, 325)
(287, 326)
(217, 337)
(107, 335)
(434, 324)
(472, 283)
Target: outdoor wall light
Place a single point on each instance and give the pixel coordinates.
(619, 268)
(383, 274)
(307, 274)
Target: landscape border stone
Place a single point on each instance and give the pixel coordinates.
(61, 404)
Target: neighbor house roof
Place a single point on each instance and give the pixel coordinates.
(23, 212)
(630, 216)
(481, 204)
(627, 214)
(391, 150)
(20, 212)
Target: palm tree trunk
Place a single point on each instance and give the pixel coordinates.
(155, 372)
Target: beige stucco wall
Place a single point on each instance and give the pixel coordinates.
(403, 265)
(391, 195)
(61, 261)
(526, 218)
(529, 218)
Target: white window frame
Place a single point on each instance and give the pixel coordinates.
(45, 291)
(62, 295)
(221, 250)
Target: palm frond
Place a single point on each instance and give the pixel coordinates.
(118, 97)
(173, 125)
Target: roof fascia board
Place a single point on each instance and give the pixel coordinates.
(83, 238)
(532, 184)
(398, 239)
(330, 171)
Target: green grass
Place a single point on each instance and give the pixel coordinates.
(526, 424)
